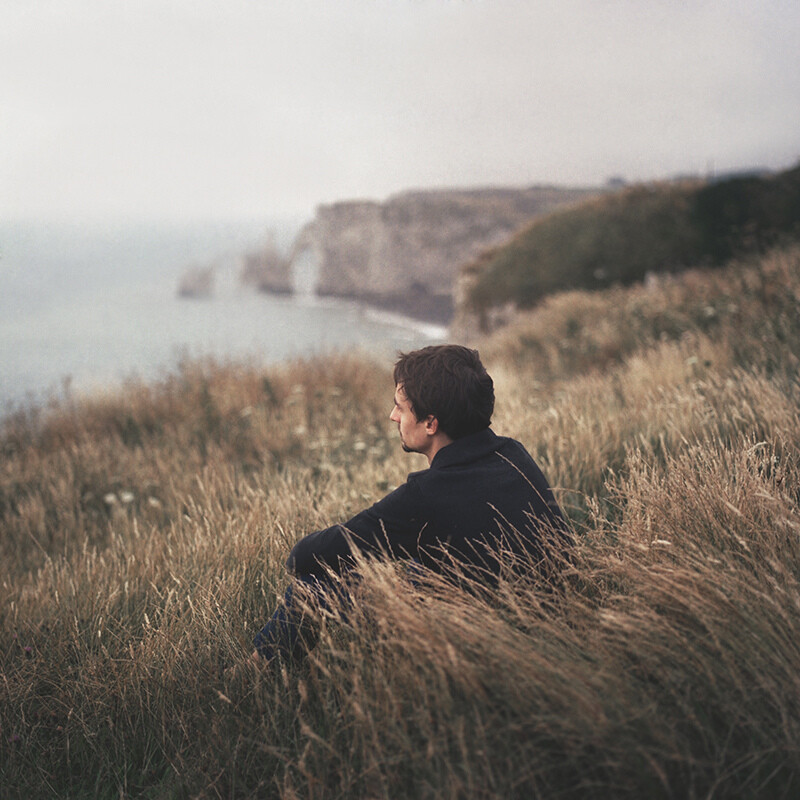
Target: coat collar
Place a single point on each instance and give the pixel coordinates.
(466, 449)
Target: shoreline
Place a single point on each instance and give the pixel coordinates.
(373, 313)
(432, 330)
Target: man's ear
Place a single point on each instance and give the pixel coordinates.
(431, 425)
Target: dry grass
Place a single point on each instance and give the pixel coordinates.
(749, 310)
(144, 536)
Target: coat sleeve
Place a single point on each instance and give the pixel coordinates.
(391, 527)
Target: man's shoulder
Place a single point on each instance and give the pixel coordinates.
(505, 444)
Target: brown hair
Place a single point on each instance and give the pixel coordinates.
(448, 382)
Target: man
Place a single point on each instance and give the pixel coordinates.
(481, 494)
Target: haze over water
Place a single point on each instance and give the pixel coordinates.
(241, 109)
(89, 306)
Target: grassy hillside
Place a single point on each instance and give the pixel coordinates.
(620, 238)
(143, 537)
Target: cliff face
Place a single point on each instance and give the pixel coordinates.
(405, 254)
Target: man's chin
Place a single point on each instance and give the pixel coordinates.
(406, 448)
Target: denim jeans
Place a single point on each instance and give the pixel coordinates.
(289, 633)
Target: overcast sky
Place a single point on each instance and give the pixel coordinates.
(194, 108)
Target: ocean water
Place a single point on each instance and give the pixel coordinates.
(88, 306)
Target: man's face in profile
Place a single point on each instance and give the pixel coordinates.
(413, 432)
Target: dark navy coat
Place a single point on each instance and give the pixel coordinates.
(480, 489)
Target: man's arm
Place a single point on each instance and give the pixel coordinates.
(389, 527)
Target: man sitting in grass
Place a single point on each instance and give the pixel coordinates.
(482, 497)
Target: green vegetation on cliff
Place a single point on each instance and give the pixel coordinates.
(144, 535)
(622, 237)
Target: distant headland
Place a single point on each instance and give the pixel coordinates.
(403, 254)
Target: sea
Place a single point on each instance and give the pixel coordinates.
(85, 307)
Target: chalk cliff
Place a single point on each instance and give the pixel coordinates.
(404, 254)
